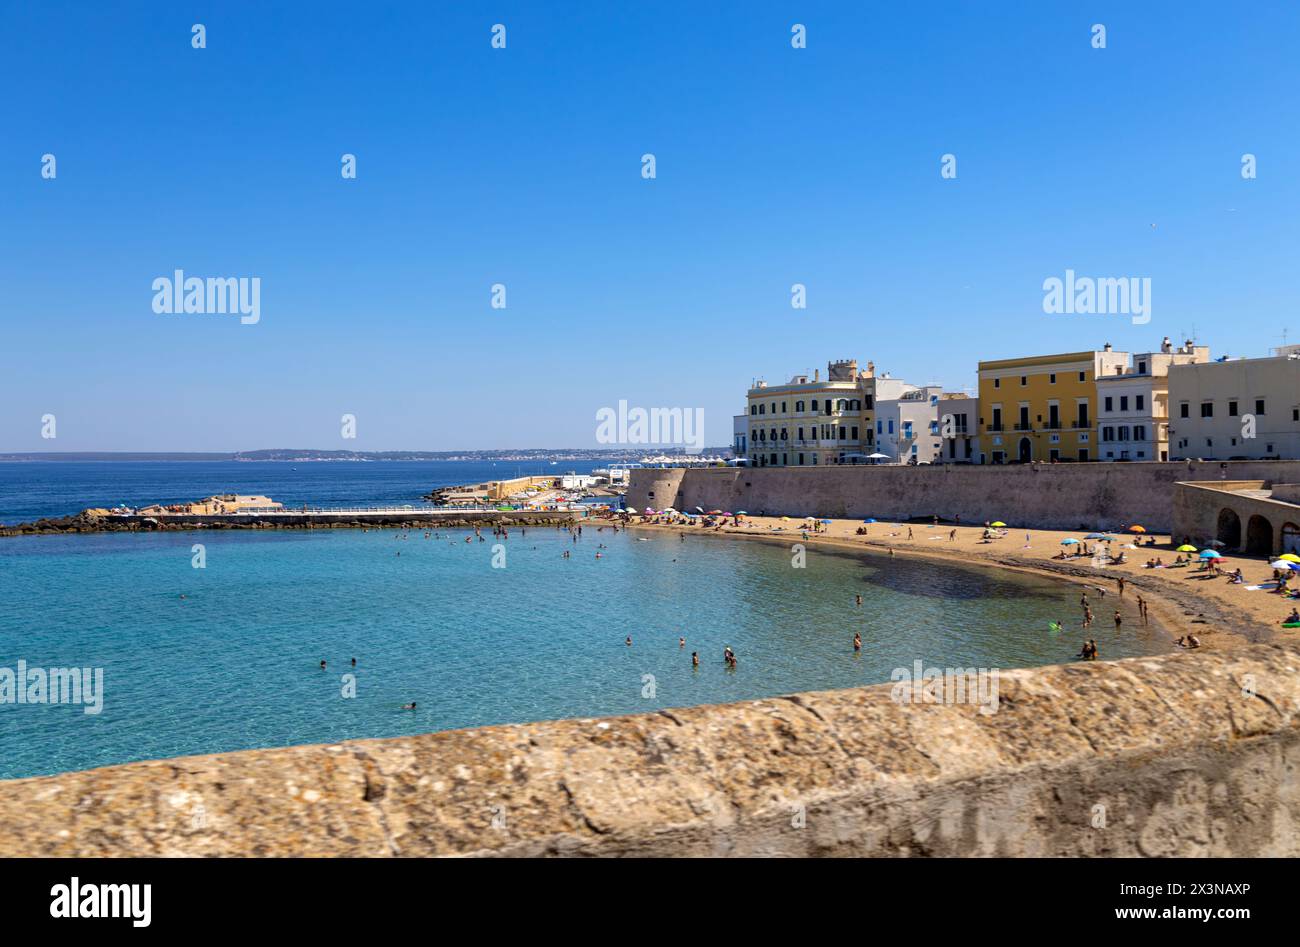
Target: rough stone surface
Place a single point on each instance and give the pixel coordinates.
(1185, 754)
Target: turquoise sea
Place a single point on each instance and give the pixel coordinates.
(234, 663)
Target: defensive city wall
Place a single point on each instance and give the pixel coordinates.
(1196, 753)
(1044, 496)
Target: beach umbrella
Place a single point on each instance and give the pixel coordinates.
(1069, 542)
(785, 519)
(1210, 554)
(868, 520)
(715, 512)
(1186, 548)
(1283, 564)
(1289, 557)
(699, 509)
(742, 512)
(630, 509)
(1137, 529)
(1216, 544)
(826, 521)
(1100, 536)
(998, 524)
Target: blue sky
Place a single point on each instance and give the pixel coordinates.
(522, 166)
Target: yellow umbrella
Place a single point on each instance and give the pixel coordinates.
(1137, 529)
(785, 519)
(1185, 548)
(999, 523)
(1289, 557)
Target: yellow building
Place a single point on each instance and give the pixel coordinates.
(1043, 407)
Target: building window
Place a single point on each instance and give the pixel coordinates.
(1024, 381)
(1139, 433)
(1232, 409)
(1108, 434)
(997, 383)
(1051, 379)
(1183, 410)
(855, 433)
(1081, 378)
(814, 404)
(753, 409)
(1109, 406)
(1207, 409)
(762, 409)
(1142, 369)
(1139, 401)
(1123, 402)
(1259, 405)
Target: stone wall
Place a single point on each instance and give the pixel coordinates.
(1184, 754)
(1060, 496)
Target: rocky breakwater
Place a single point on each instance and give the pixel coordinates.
(102, 521)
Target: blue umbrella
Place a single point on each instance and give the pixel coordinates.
(1210, 554)
(1098, 536)
(1069, 542)
(826, 521)
(868, 521)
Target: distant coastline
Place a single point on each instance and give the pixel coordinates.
(307, 455)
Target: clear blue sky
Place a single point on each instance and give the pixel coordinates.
(522, 166)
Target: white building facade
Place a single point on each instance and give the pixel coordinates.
(1246, 408)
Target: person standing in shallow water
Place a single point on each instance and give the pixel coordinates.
(695, 659)
(857, 641)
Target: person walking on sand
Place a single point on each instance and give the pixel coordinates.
(909, 532)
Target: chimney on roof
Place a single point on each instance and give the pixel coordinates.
(1106, 347)
(1166, 346)
(817, 374)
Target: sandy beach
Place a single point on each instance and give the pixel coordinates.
(1182, 599)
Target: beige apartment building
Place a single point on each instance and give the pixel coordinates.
(815, 421)
(1133, 410)
(1241, 408)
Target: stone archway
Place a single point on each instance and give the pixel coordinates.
(1259, 536)
(1290, 538)
(1229, 529)
(1026, 451)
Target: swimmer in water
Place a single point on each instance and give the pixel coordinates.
(354, 662)
(410, 706)
(681, 642)
(859, 600)
(857, 641)
(322, 665)
(628, 642)
(695, 659)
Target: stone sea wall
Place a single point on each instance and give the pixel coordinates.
(1045, 496)
(1185, 754)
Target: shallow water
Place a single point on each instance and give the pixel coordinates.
(234, 664)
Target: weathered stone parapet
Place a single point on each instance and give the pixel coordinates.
(1185, 754)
